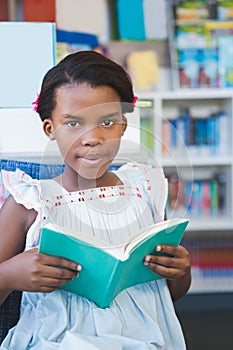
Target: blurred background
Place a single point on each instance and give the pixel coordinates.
(180, 57)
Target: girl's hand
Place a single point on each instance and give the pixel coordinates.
(169, 267)
(175, 268)
(35, 272)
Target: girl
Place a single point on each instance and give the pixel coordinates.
(82, 104)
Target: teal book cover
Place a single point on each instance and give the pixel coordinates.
(108, 270)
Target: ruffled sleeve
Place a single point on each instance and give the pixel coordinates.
(26, 191)
(3, 191)
(153, 184)
(158, 193)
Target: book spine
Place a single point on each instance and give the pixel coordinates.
(203, 136)
(223, 134)
(206, 199)
(115, 284)
(211, 259)
(173, 133)
(199, 198)
(166, 137)
(222, 192)
(131, 24)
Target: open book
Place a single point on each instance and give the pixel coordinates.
(107, 270)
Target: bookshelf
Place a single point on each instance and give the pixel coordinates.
(196, 159)
(200, 41)
(200, 174)
(186, 162)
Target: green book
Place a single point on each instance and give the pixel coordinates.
(107, 270)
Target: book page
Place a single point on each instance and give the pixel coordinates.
(150, 231)
(93, 241)
(120, 251)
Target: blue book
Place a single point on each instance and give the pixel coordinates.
(173, 128)
(130, 19)
(226, 61)
(64, 36)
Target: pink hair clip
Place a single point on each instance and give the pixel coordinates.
(134, 100)
(35, 103)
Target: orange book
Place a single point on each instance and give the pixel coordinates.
(39, 10)
(4, 15)
(166, 129)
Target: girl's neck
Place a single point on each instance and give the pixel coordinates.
(73, 182)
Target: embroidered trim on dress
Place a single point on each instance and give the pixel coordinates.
(96, 193)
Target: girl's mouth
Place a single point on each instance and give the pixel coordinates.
(92, 161)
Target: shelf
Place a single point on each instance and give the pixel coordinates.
(198, 94)
(210, 224)
(197, 53)
(207, 284)
(201, 161)
(194, 164)
(119, 49)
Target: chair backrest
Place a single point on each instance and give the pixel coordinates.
(9, 313)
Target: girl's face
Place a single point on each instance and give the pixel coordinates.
(87, 124)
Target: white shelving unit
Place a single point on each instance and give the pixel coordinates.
(196, 164)
(195, 161)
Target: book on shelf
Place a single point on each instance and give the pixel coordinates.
(214, 30)
(200, 133)
(108, 270)
(130, 24)
(211, 257)
(155, 30)
(191, 10)
(225, 61)
(39, 11)
(204, 197)
(225, 11)
(143, 68)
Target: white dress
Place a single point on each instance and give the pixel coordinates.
(139, 318)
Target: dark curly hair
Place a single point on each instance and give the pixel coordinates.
(84, 67)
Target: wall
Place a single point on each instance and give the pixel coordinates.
(84, 16)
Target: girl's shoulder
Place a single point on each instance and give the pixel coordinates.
(137, 173)
(18, 176)
(26, 191)
(23, 188)
(151, 181)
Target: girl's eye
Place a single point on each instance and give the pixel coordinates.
(73, 124)
(107, 122)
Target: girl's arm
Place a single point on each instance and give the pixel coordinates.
(178, 279)
(13, 222)
(27, 270)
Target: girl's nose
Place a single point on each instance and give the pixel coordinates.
(92, 137)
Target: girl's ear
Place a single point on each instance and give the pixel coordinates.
(48, 129)
(124, 125)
